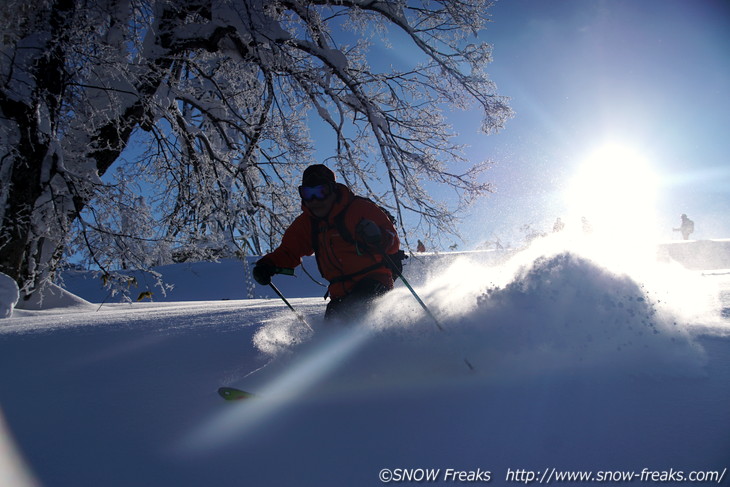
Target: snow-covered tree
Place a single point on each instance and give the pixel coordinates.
(205, 106)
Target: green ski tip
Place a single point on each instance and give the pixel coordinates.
(232, 394)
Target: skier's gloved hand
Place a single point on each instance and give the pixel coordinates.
(369, 235)
(262, 272)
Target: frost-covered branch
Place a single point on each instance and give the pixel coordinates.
(206, 106)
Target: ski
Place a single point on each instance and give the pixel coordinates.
(233, 394)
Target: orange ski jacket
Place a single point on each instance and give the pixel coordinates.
(339, 261)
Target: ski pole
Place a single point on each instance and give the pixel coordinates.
(301, 318)
(398, 273)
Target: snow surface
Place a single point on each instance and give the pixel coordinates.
(582, 361)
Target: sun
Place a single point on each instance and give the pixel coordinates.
(614, 191)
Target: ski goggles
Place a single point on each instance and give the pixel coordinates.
(319, 192)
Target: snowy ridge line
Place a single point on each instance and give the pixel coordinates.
(230, 278)
(716, 272)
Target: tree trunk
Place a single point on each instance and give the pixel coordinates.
(41, 199)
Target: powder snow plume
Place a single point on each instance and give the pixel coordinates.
(281, 334)
(546, 309)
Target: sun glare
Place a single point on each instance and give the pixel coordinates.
(614, 193)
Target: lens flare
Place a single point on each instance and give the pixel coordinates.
(279, 393)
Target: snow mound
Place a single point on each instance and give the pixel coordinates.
(567, 311)
(8, 295)
(52, 296)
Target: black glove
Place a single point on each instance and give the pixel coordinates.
(370, 235)
(262, 272)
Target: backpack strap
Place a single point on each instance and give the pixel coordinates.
(349, 277)
(340, 222)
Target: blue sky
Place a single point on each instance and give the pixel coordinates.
(648, 76)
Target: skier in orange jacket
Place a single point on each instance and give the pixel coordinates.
(349, 236)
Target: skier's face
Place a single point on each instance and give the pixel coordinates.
(321, 208)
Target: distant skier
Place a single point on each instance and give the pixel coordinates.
(687, 227)
(349, 235)
(587, 227)
(558, 226)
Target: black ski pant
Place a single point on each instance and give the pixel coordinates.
(357, 302)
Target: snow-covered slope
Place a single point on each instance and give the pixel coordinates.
(582, 362)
